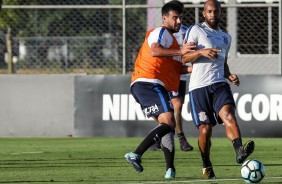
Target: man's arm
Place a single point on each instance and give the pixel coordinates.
(231, 77)
(226, 70)
(192, 56)
(191, 38)
(159, 51)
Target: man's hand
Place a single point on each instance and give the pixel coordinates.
(234, 79)
(188, 47)
(210, 53)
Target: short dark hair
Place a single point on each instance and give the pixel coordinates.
(172, 6)
(178, 2)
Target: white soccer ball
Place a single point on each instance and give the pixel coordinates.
(252, 171)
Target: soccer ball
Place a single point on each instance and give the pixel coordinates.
(252, 171)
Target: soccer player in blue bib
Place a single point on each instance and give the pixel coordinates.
(210, 95)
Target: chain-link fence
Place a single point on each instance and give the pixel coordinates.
(104, 36)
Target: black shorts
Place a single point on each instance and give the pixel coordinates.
(181, 91)
(153, 98)
(206, 102)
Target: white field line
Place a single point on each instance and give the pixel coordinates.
(201, 181)
(30, 152)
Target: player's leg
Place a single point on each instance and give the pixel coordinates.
(157, 146)
(177, 105)
(203, 118)
(134, 158)
(204, 142)
(168, 147)
(227, 115)
(169, 152)
(177, 99)
(225, 107)
(155, 102)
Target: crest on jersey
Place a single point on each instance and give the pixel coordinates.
(202, 116)
(225, 39)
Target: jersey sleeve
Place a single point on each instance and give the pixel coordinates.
(161, 36)
(180, 34)
(191, 34)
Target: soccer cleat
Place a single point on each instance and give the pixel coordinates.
(135, 160)
(156, 147)
(170, 174)
(244, 151)
(184, 145)
(208, 173)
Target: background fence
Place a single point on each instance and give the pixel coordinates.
(104, 36)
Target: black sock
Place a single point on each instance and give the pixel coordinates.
(169, 157)
(237, 143)
(206, 161)
(206, 156)
(169, 150)
(154, 136)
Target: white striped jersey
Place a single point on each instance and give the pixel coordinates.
(180, 37)
(205, 71)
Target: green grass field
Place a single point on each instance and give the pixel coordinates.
(100, 160)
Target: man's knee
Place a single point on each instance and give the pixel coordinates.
(228, 118)
(227, 113)
(167, 118)
(205, 130)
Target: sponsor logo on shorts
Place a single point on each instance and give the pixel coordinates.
(151, 110)
(202, 116)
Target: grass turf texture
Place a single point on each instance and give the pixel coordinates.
(100, 160)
